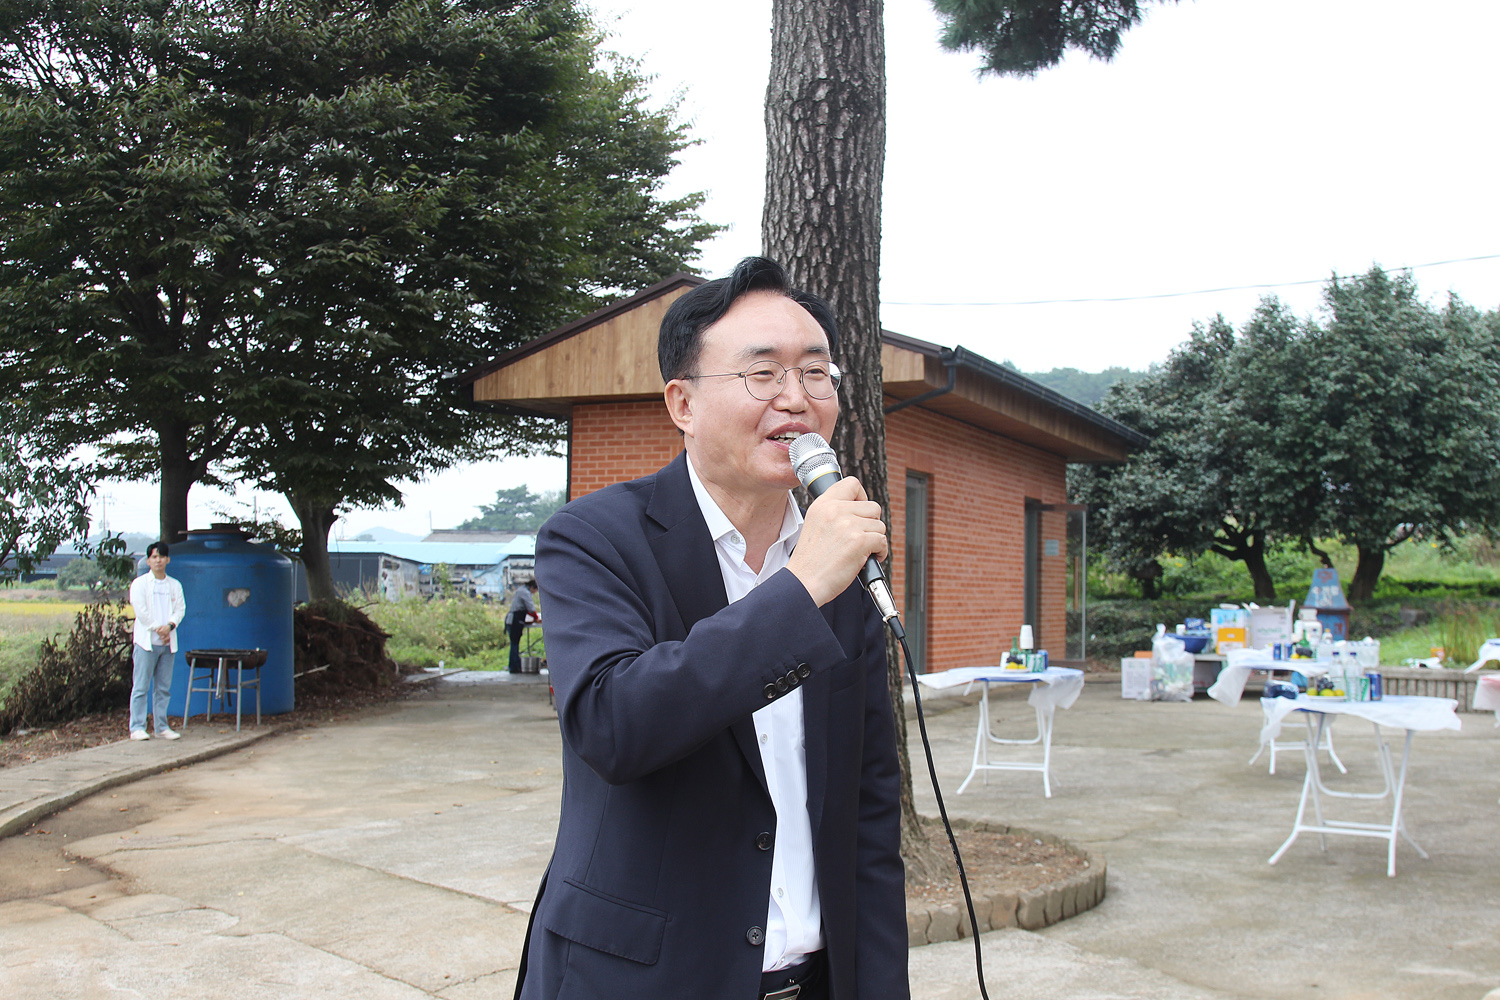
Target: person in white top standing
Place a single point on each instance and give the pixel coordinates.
(159, 608)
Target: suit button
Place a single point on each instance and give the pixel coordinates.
(764, 841)
(804, 671)
(770, 692)
(792, 678)
(781, 685)
(756, 936)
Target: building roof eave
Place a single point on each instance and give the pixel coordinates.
(668, 284)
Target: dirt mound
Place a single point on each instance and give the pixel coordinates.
(339, 648)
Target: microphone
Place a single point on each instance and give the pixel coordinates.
(817, 468)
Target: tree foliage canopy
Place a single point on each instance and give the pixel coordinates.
(1377, 423)
(1023, 37)
(256, 236)
(516, 509)
(1184, 492)
(44, 494)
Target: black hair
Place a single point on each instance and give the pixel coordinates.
(681, 337)
(533, 585)
(156, 547)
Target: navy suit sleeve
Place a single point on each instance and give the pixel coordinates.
(630, 704)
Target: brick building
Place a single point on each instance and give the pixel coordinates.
(983, 538)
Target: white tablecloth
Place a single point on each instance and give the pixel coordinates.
(1231, 683)
(1487, 694)
(1055, 687)
(1394, 711)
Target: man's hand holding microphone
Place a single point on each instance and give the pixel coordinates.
(842, 534)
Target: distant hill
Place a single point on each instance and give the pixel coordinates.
(134, 542)
(1087, 388)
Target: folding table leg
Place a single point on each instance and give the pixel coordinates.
(981, 741)
(1044, 727)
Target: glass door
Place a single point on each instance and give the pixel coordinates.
(1056, 578)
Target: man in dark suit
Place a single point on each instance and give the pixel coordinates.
(730, 819)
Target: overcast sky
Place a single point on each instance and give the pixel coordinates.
(1231, 143)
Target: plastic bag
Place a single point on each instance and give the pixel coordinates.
(1171, 668)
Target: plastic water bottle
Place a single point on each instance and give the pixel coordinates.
(1325, 647)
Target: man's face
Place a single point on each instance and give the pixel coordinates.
(157, 562)
(737, 442)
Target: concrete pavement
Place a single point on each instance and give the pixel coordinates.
(396, 854)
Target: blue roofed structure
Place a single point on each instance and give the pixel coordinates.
(395, 570)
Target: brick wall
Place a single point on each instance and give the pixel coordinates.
(978, 485)
(615, 442)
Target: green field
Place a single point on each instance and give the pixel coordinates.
(23, 626)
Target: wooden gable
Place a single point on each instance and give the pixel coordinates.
(610, 356)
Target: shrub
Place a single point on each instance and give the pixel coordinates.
(1121, 627)
(1463, 628)
(422, 632)
(88, 671)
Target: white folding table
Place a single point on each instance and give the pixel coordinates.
(1410, 713)
(1052, 687)
(1230, 686)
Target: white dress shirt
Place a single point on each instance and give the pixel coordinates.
(147, 618)
(794, 922)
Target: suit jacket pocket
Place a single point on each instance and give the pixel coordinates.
(843, 675)
(600, 921)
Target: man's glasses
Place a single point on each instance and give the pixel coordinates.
(766, 379)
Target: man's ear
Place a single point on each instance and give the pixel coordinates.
(679, 398)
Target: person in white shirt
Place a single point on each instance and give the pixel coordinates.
(159, 608)
(730, 819)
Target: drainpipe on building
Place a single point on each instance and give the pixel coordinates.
(950, 360)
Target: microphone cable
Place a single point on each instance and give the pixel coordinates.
(963, 879)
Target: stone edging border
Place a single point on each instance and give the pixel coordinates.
(1030, 910)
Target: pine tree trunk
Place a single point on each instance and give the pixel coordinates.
(1366, 573)
(177, 477)
(825, 161)
(316, 520)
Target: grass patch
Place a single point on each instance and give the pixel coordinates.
(461, 632)
(23, 627)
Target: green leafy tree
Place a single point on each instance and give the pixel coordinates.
(44, 493)
(516, 509)
(80, 572)
(1380, 424)
(255, 238)
(1184, 493)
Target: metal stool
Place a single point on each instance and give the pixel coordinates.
(212, 666)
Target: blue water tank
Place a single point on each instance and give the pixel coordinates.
(239, 596)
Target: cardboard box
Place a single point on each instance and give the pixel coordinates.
(1229, 637)
(1268, 626)
(1135, 678)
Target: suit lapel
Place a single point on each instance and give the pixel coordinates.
(685, 553)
